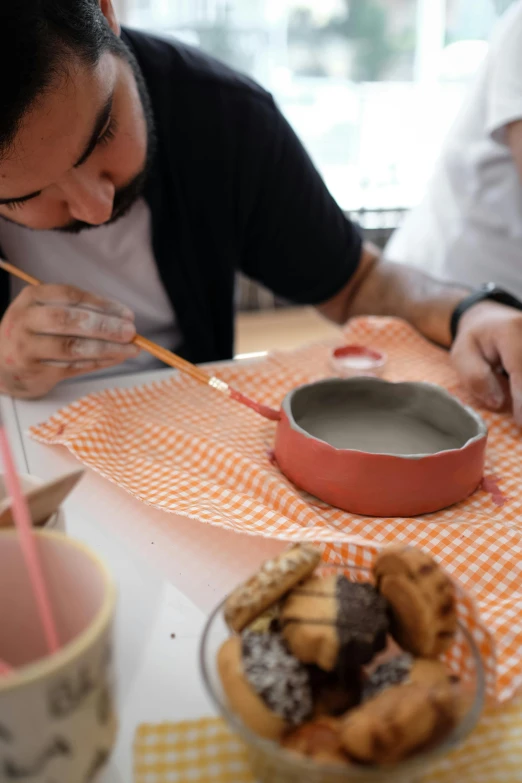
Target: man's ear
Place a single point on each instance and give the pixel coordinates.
(109, 12)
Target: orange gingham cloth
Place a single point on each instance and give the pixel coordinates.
(189, 450)
(204, 751)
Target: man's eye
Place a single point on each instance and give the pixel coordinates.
(109, 133)
(14, 205)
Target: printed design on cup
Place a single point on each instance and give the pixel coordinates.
(58, 748)
(104, 706)
(5, 734)
(100, 759)
(67, 695)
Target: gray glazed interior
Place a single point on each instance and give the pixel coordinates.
(378, 417)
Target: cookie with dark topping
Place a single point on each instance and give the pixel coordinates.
(333, 695)
(334, 623)
(265, 685)
(422, 599)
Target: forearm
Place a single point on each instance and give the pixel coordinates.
(384, 288)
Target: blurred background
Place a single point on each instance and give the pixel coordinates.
(370, 86)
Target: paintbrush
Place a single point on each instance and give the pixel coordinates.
(172, 359)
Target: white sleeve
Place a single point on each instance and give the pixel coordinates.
(504, 95)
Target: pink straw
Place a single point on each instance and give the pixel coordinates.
(28, 542)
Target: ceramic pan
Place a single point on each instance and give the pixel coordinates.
(382, 449)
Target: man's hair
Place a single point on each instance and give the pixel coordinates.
(38, 41)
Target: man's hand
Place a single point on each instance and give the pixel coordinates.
(488, 341)
(53, 332)
(489, 338)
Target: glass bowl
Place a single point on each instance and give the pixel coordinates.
(270, 763)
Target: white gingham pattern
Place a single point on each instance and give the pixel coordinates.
(189, 450)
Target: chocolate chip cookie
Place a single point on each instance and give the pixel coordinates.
(422, 600)
(399, 722)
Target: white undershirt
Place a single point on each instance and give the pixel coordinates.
(114, 261)
(469, 226)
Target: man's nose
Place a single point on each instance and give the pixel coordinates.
(90, 198)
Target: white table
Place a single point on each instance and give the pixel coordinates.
(165, 588)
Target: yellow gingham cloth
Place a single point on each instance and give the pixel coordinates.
(189, 450)
(204, 751)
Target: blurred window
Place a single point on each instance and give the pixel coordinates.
(370, 86)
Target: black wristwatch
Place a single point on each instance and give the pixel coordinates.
(487, 291)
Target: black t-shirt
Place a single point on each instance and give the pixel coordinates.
(231, 189)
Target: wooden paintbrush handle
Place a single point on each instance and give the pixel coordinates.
(13, 270)
(172, 359)
(169, 358)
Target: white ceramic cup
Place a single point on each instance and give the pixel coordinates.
(29, 482)
(57, 714)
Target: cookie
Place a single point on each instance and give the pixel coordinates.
(334, 623)
(392, 672)
(275, 578)
(268, 621)
(333, 696)
(405, 669)
(422, 600)
(425, 671)
(400, 721)
(264, 684)
(319, 739)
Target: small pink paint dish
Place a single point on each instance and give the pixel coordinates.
(350, 361)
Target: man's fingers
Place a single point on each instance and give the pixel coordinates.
(74, 297)
(72, 369)
(43, 348)
(83, 366)
(478, 375)
(511, 354)
(515, 387)
(78, 322)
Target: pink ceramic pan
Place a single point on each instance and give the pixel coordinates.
(377, 448)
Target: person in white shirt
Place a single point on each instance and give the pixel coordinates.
(468, 228)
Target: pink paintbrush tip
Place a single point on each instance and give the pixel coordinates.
(263, 410)
(28, 542)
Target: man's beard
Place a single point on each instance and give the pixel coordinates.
(127, 196)
(124, 200)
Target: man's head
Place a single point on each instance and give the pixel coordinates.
(76, 127)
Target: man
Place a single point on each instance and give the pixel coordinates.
(469, 225)
(184, 172)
